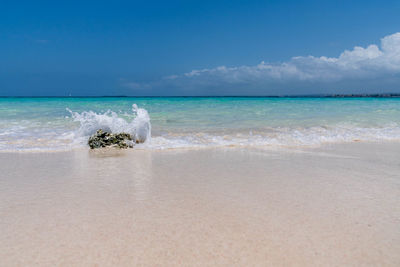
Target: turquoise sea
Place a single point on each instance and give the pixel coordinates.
(175, 122)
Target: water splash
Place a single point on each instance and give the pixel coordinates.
(42, 124)
(90, 122)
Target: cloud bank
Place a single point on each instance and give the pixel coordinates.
(371, 69)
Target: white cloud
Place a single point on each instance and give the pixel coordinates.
(359, 61)
(372, 62)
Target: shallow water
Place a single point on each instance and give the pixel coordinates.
(47, 123)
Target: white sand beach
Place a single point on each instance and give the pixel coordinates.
(336, 205)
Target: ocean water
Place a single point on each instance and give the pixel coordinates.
(190, 122)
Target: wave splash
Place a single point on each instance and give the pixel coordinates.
(69, 132)
(138, 125)
(90, 122)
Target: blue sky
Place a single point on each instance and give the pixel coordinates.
(198, 47)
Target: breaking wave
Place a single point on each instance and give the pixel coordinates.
(65, 133)
(139, 127)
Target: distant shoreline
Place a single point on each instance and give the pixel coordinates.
(385, 95)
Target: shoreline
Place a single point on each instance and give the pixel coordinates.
(338, 204)
(266, 147)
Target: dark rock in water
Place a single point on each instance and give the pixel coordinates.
(105, 139)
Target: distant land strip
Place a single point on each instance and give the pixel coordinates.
(383, 95)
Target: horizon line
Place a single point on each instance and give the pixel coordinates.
(372, 95)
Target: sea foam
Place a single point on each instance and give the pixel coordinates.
(139, 127)
(44, 124)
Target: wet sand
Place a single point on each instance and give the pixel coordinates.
(334, 205)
